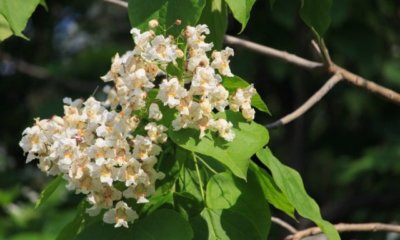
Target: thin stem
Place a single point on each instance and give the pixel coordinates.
(271, 52)
(118, 2)
(206, 164)
(196, 164)
(284, 224)
(347, 227)
(308, 104)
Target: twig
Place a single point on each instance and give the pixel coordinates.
(284, 224)
(366, 84)
(348, 227)
(330, 66)
(118, 2)
(309, 103)
(283, 55)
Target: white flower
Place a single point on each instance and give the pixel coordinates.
(161, 50)
(171, 92)
(224, 129)
(154, 112)
(221, 61)
(156, 132)
(120, 215)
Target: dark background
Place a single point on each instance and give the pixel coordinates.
(347, 148)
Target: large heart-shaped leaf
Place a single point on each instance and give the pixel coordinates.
(235, 155)
(224, 191)
(241, 10)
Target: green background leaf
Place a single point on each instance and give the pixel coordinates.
(250, 137)
(241, 10)
(215, 15)
(316, 14)
(291, 184)
(166, 12)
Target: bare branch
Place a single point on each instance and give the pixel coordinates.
(366, 84)
(348, 227)
(309, 103)
(271, 52)
(284, 224)
(118, 2)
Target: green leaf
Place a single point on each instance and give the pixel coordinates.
(224, 191)
(233, 83)
(44, 4)
(5, 30)
(17, 13)
(316, 14)
(71, 230)
(235, 155)
(241, 10)
(271, 192)
(49, 189)
(215, 15)
(187, 204)
(291, 184)
(166, 12)
(162, 224)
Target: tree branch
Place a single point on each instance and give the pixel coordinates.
(284, 224)
(118, 2)
(347, 227)
(271, 52)
(309, 103)
(366, 84)
(330, 66)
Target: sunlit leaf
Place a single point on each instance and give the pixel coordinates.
(224, 191)
(271, 192)
(5, 30)
(17, 13)
(291, 184)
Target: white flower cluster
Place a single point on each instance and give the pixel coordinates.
(95, 147)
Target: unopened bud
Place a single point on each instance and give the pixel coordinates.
(153, 23)
(179, 53)
(178, 22)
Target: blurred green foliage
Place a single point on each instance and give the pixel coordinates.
(347, 148)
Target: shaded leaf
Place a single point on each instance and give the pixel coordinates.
(48, 191)
(241, 10)
(71, 230)
(215, 15)
(291, 184)
(235, 155)
(161, 224)
(233, 83)
(166, 12)
(316, 14)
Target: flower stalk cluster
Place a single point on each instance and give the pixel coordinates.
(108, 149)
